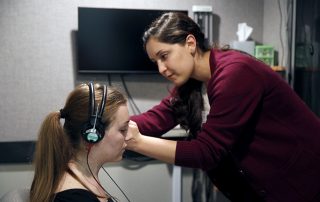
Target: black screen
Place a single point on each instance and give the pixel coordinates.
(110, 40)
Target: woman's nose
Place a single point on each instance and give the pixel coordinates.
(161, 67)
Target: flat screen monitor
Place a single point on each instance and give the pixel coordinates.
(109, 40)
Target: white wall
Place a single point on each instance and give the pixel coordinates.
(276, 24)
(38, 71)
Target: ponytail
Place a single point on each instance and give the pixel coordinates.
(52, 154)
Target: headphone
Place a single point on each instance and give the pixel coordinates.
(93, 130)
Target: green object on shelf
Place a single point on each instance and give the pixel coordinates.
(265, 53)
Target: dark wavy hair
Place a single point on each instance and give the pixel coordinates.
(173, 28)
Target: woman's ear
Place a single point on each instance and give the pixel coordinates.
(191, 44)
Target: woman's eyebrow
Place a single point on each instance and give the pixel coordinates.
(125, 123)
(159, 52)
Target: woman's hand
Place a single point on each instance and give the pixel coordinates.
(161, 149)
(133, 136)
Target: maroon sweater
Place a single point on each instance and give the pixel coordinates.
(260, 142)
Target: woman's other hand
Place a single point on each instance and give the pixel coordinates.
(161, 149)
(133, 136)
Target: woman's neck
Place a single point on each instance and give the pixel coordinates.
(202, 70)
(85, 166)
(87, 176)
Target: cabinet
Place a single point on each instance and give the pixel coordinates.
(306, 56)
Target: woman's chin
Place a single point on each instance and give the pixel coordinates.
(179, 83)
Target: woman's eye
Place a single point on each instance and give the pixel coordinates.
(164, 56)
(124, 131)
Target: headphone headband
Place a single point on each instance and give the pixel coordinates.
(103, 100)
(92, 98)
(94, 128)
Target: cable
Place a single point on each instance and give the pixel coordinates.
(131, 106)
(115, 183)
(129, 95)
(109, 80)
(89, 148)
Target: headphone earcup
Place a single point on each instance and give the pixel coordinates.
(91, 134)
(100, 127)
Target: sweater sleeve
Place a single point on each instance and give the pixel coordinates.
(235, 93)
(156, 121)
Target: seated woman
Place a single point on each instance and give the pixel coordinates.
(68, 158)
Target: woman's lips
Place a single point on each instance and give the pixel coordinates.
(170, 76)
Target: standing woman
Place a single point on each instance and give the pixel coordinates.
(68, 158)
(259, 142)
